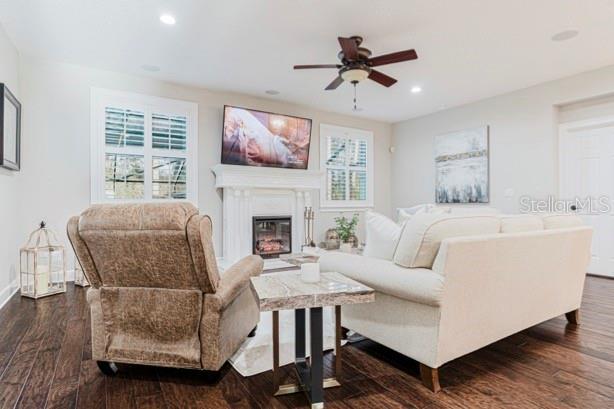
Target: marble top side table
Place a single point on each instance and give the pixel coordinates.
(286, 291)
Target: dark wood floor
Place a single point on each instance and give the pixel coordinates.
(45, 361)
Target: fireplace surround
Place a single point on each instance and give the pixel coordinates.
(249, 192)
(272, 236)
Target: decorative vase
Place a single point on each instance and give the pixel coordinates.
(332, 239)
(353, 240)
(346, 247)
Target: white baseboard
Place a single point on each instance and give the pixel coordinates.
(7, 292)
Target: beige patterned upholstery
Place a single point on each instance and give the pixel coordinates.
(157, 297)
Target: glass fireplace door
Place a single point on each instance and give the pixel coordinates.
(272, 236)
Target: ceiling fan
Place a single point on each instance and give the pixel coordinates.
(357, 64)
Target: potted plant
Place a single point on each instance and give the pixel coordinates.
(346, 230)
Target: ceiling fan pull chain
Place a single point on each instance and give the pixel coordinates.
(354, 82)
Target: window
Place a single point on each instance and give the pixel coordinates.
(143, 148)
(346, 158)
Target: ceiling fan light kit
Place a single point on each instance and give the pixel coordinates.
(357, 64)
(355, 75)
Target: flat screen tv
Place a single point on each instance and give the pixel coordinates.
(258, 138)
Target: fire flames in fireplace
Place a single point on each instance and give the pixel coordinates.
(272, 236)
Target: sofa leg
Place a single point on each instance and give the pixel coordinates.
(573, 317)
(430, 378)
(252, 332)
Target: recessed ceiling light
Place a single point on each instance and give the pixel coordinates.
(416, 89)
(564, 35)
(150, 68)
(271, 92)
(167, 19)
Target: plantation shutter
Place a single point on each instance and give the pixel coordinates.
(124, 127)
(169, 132)
(346, 168)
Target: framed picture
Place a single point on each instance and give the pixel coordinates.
(10, 129)
(461, 167)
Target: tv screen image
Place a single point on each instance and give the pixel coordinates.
(257, 138)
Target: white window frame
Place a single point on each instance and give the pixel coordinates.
(348, 133)
(102, 98)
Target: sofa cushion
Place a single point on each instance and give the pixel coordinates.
(382, 236)
(561, 220)
(419, 285)
(423, 233)
(521, 222)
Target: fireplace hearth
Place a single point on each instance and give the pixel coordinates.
(272, 236)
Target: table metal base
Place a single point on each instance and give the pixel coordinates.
(310, 374)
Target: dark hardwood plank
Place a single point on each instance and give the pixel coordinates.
(190, 389)
(15, 319)
(18, 369)
(92, 392)
(63, 390)
(45, 361)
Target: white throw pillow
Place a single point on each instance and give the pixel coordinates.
(423, 233)
(382, 236)
(403, 216)
(405, 213)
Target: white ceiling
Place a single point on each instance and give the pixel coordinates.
(468, 49)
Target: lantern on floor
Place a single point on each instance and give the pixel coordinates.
(42, 264)
(80, 278)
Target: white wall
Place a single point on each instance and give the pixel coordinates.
(9, 184)
(57, 131)
(523, 140)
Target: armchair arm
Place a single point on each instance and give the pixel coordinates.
(236, 279)
(82, 252)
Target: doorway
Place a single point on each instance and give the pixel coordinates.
(586, 170)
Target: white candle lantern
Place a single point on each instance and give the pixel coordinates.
(42, 265)
(80, 278)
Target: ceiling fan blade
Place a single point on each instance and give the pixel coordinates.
(381, 78)
(333, 85)
(302, 67)
(393, 57)
(349, 48)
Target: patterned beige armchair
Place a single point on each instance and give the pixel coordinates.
(156, 295)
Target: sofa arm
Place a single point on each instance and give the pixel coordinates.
(236, 279)
(418, 285)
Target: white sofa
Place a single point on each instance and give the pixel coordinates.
(459, 283)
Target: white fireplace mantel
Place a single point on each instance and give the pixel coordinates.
(251, 177)
(255, 191)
